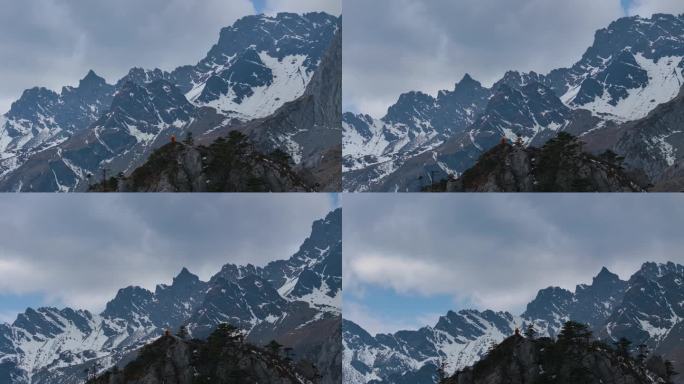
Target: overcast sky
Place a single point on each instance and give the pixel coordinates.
(53, 43)
(78, 250)
(395, 46)
(410, 258)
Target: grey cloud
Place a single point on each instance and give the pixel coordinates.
(498, 250)
(393, 46)
(334, 7)
(648, 7)
(79, 249)
(54, 43)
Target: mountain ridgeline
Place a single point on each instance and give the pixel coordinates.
(646, 309)
(259, 67)
(295, 302)
(623, 95)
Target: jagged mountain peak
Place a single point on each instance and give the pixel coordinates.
(605, 279)
(279, 35)
(625, 31)
(131, 299)
(654, 271)
(184, 280)
(50, 321)
(466, 92)
(333, 218)
(32, 102)
(467, 80)
(605, 276)
(91, 79)
(467, 84)
(412, 100)
(142, 76)
(548, 294)
(185, 276)
(149, 104)
(516, 79)
(473, 322)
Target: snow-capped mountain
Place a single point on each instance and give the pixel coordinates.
(52, 142)
(42, 118)
(633, 66)
(418, 122)
(648, 308)
(459, 339)
(293, 301)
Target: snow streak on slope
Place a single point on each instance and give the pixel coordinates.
(69, 338)
(458, 340)
(665, 81)
(290, 78)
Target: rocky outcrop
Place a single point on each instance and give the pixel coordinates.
(559, 166)
(223, 358)
(518, 360)
(232, 165)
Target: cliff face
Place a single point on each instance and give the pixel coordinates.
(559, 166)
(312, 124)
(171, 360)
(518, 360)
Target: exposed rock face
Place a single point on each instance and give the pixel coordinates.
(672, 179)
(655, 144)
(311, 125)
(232, 165)
(171, 360)
(560, 166)
(518, 360)
(41, 117)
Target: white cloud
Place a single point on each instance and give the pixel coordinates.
(646, 8)
(374, 323)
(496, 251)
(333, 7)
(394, 46)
